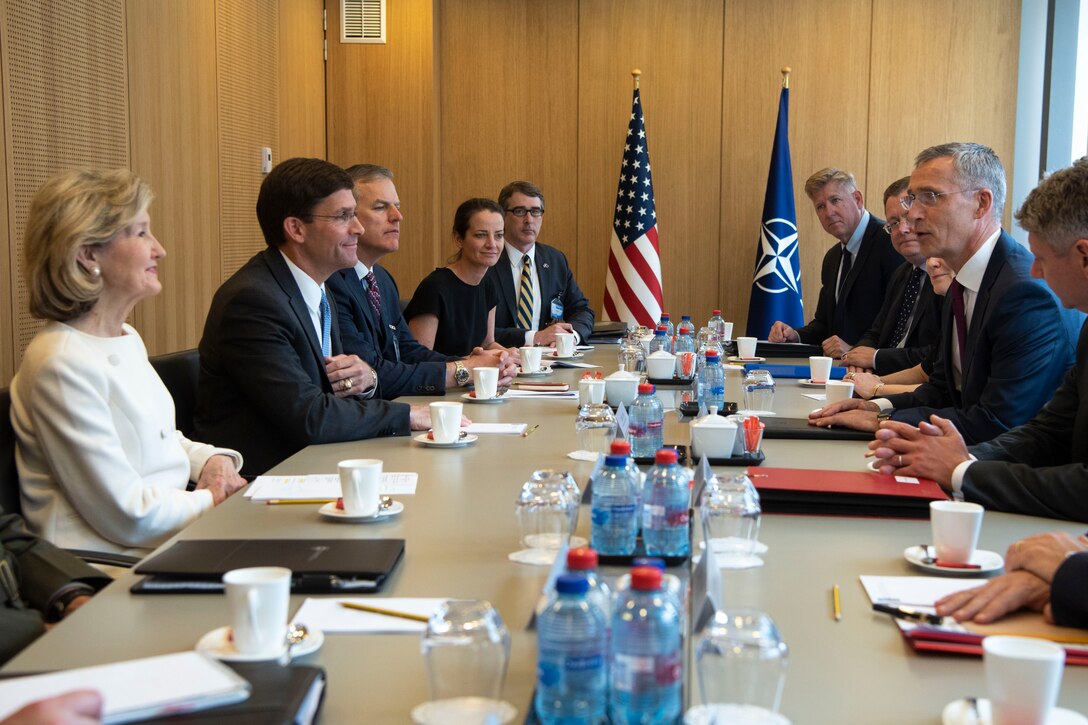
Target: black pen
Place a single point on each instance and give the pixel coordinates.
(909, 614)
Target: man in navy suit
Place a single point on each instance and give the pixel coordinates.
(908, 324)
(551, 301)
(856, 272)
(368, 304)
(1005, 340)
(273, 375)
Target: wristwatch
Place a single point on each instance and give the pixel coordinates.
(461, 375)
(884, 415)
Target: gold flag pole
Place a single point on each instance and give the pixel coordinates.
(635, 73)
(785, 77)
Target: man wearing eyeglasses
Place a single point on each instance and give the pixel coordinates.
(368, 304)
(273, 374)
(1005, 340)
(538, 294)
(856, 272)
(909, 323)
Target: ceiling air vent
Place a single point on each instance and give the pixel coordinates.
(362, 21)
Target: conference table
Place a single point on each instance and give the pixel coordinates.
(460, 526)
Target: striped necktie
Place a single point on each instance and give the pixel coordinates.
(326, 326)
(374, 295)
(525, 295)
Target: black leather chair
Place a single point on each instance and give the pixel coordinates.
(9, 475)
(179, 372)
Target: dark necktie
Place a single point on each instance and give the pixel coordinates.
(326, 326)
(374, 295)
(844, 269)
(960, 317)
(910, 297)
(525, 295)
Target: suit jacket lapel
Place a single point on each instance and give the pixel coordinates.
(358, 291)
(925, 298)
(506, 284)
(856, 265)
(286, 281)
(982, 300)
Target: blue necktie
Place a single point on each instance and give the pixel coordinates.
(326, 326)
(910, 297)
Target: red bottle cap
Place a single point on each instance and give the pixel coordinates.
(665, 455)
(581, 559)
(645, 388)
(645, 579)
(621, 448)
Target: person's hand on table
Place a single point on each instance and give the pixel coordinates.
(546, 336)
(860, 357)
(505, 360)
(1042, 554)
(998, 597)
(349, 375)
(781, 332)
(220, 477)
(932, 450)
(72, 708)
(835, 347)
(853, 413)
(864, 383)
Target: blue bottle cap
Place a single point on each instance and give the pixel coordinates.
(571, 584)
(652, 561)
(619, 461)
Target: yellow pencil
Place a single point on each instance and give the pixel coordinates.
(284, 501)
(836, 602)
(386, 612)
(530, 430)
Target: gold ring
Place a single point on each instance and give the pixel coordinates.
(1017, 547)
(347, 383)
(900, 459)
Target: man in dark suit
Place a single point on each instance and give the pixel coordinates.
(1005, 340)
(856, 272)
(368, 304)
(908, 324)
(273, 376)
(539, 298)
(39, 583)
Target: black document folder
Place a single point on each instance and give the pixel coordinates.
(799, 428)
(319, 566)
(778, 349)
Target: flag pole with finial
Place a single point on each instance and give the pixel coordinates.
(785, 77)
(636, 73)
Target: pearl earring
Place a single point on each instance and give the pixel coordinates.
(96, 271)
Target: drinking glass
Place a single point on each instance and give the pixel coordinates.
(466, 648)
(545, 511)
(741, 661)
(550, 476)
(759, 391)
(730, 512)
(632, 355)
(596, 427)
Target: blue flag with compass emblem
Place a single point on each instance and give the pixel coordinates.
(776, 284)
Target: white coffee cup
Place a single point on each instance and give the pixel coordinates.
(955, 526)
(564, 344)
(590, 390)
(836, 390)
(530, 359)
(819, 369)
(1023, 676)
(486, 382)
(445, 421)
(257, 598)
(360, 484)
(727, 334)
(746, 347)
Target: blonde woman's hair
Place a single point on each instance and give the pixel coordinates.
(75, 209)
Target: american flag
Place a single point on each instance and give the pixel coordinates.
(633, 283)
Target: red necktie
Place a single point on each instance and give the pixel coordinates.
(960, 317)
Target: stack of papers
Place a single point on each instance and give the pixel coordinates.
(509, 429)
(323, 486)
(514, 393)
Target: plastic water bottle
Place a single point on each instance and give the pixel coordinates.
(660, 342)
(583, 562)
(666, 505)
(675, 589)
(685, 335)
(712, 382)
(646, 661)
(717, 325)
(646, 429)
(614, 510)
(623, 448)
(572, 654)
(669, 331)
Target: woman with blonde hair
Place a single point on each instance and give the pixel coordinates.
(101, 465)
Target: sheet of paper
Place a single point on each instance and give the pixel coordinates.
(509, 429)
(918, 592)
(569, 395)
(149, 686)
(572, 364)
(815, 396)
(328, 615)
(323, 486)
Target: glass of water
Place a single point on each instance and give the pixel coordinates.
(730, 512)
(741, 661)
(596, 427)
(759, 391)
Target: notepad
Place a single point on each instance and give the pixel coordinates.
(328, 615)
(323, 485)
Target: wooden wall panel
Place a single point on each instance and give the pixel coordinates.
(302, 80)
(382, 109)
(827, 45)
(678, 47)
(7, 239)
(507, 109)
(174, 137)
(959, 86)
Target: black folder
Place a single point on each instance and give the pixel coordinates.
(778, 349)
(280, 696)
(799, 428)
(319, 566)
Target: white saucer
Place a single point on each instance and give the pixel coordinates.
(807, 383)
(330, 511)
(959, 713)
(464, 711)
(739, 714)
(217, 644)
(555, 356)
(541, 373)
(871, 465)
(459, 443)
(757, 413)
(470, 398)
(988, 561)
(734, 358)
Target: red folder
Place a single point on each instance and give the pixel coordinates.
(843, 493)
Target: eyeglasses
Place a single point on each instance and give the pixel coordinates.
(343, 218)
(521, 211)
(892, 226)
(928, 198)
